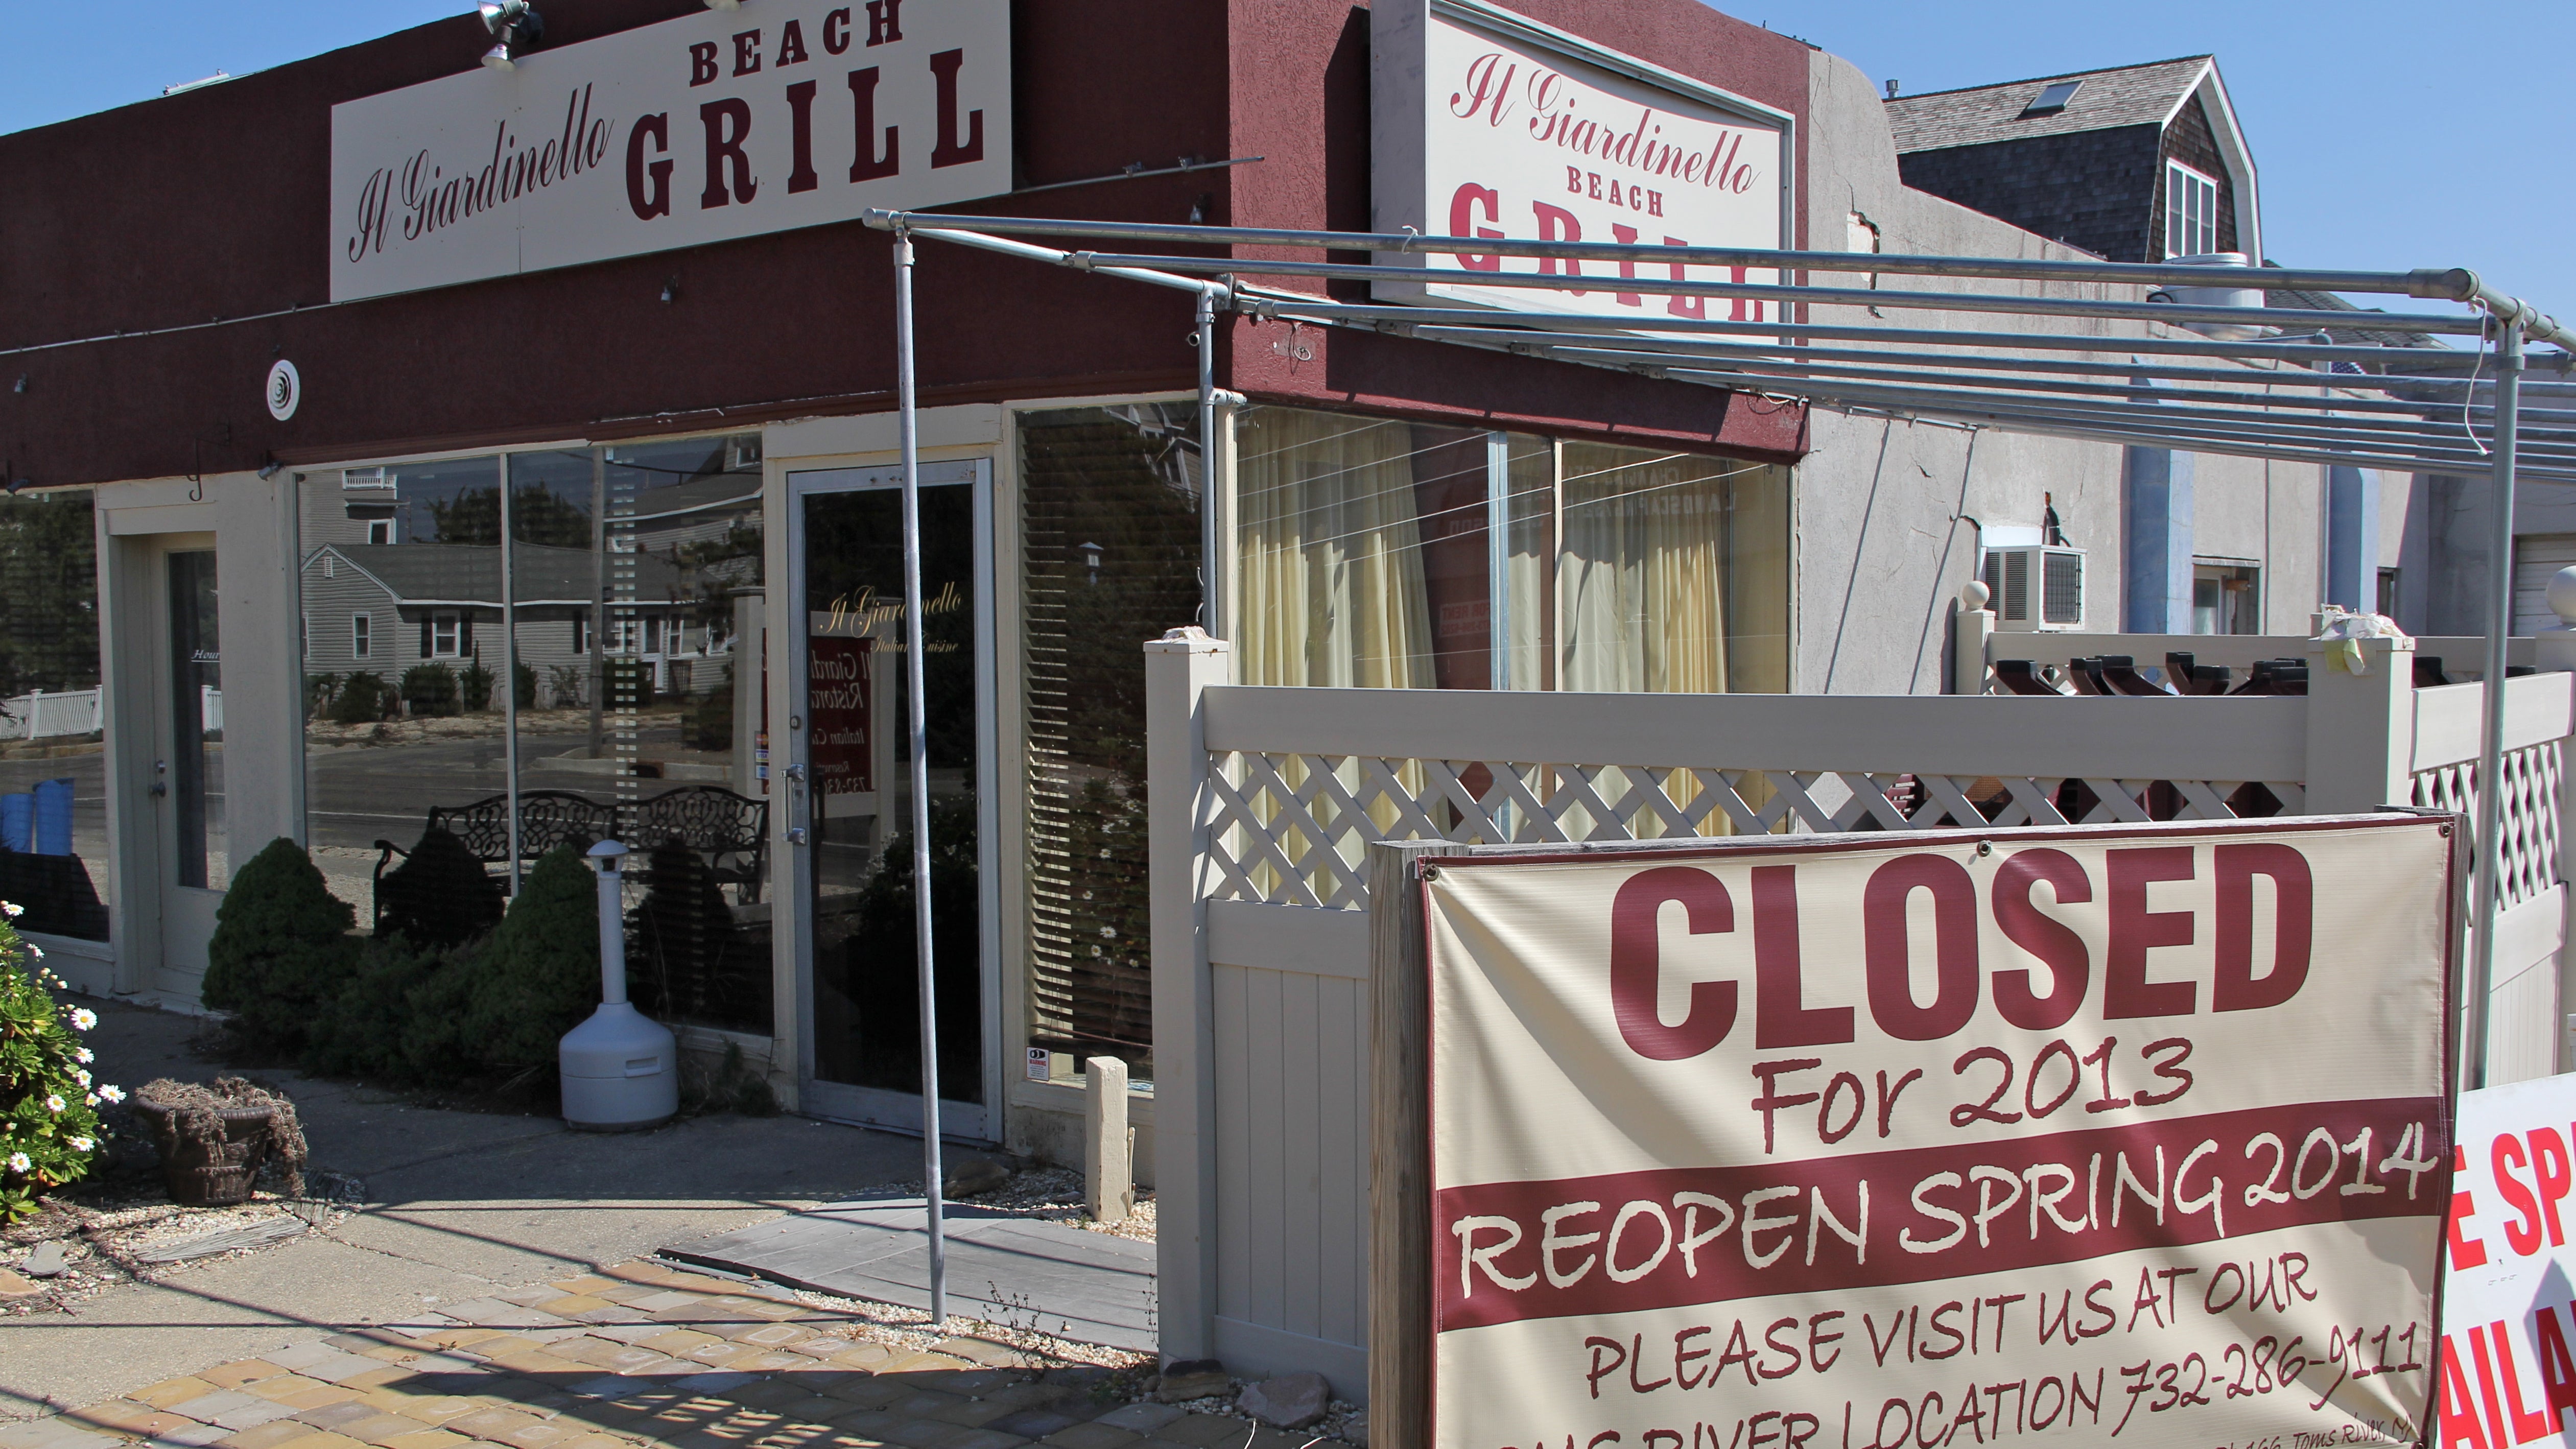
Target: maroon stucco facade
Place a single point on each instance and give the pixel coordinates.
(213, 205)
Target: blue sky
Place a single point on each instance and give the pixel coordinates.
(2390, 133)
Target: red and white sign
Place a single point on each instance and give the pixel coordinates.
(2508, 1309)
(840, 695)
(1490, 125)
(712, 126)
(2121, 1134)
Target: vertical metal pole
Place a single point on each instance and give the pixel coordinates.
(916, 708)
(510, 673)
(1211, 589)
(1498, 563)
(2490, 820)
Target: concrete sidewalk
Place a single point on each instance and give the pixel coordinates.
(458, 1204)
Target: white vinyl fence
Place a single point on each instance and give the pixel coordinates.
(1263, 800)
(38, 715)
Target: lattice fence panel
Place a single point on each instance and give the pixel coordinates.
(1291, 829)
(2530, 818)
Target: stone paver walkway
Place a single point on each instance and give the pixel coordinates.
(635, 1357)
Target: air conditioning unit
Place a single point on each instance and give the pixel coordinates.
(2036, 587)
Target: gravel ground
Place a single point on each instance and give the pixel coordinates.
(106, 1226)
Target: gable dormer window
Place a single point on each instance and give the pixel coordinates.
(2053, 100)
(2191, 212)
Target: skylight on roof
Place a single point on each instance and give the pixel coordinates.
(2053, 99)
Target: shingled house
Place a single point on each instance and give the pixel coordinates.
(2137, 163)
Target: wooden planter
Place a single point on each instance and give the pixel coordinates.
(208, 1174)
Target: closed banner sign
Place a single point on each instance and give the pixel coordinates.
(2509, 1308)
(2110, 1134)
(716, 125)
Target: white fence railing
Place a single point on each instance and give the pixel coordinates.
(1263, 801)
(39, 715)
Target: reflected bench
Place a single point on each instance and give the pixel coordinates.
(729, 830)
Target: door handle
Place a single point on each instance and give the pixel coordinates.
(798, 803)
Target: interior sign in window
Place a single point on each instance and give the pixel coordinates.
(2130, 1134)
(1489, 126)
(712, 126)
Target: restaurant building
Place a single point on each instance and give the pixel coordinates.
(391, 433)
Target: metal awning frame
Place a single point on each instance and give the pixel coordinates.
(2034, 380)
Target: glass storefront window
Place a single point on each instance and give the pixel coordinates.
(53, 779)
(599, 679)
(1110, 501)
(1368, 553)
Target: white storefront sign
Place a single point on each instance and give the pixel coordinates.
(1489, 125)
(2103, 1135)
(712, 126)
(2508, 1369)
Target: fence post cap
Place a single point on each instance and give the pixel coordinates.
(1188, 639)
(2562, 596)
(608, 853)
(1975, 595)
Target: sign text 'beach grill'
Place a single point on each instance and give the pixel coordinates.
(700, 129)
(1491, 127)
(2133, 1135)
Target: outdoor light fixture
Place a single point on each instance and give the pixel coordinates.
(269, 469)
(515, 25)
(1090, 558)
(670, 292)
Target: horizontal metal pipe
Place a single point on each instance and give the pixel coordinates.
(2452, 284)
(2080, 426)
(2172, 313)
(2281, 377)
(2160, 425)
(2358, 410)
(1023, 250)
(1301, 305)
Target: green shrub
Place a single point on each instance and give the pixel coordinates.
(320, 690)
(429, 690)
(476, 685)
(439, 896)
(537, 977)
(362, 1033)
(523, 685)
(281, 953)
(49, 1131)
(360, 700)
(436, 1031)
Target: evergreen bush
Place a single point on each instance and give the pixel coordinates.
(476, 685)
(364, 1032)
(430, 690)
(281, 953)
(436, 1029)
(537, 976)
(361, 699)
(49, 1129)
(524, 685)
(439, 896)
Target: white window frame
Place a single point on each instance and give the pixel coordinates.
(2190, 230)
(362, 636)
(447, 634)
(380, 530)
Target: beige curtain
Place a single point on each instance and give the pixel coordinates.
(1330, 587)
(1643, 602)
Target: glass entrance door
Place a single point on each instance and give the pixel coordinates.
(188, 766)
(850, 795)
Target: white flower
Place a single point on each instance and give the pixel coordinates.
(34, 950)
(78, 1144)
(84, 1056)
(83, 1018)
(18, 1162)
(54, 1103)
(13, 909)
(81, 1077)
(112, 1094)
(93, 1099)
